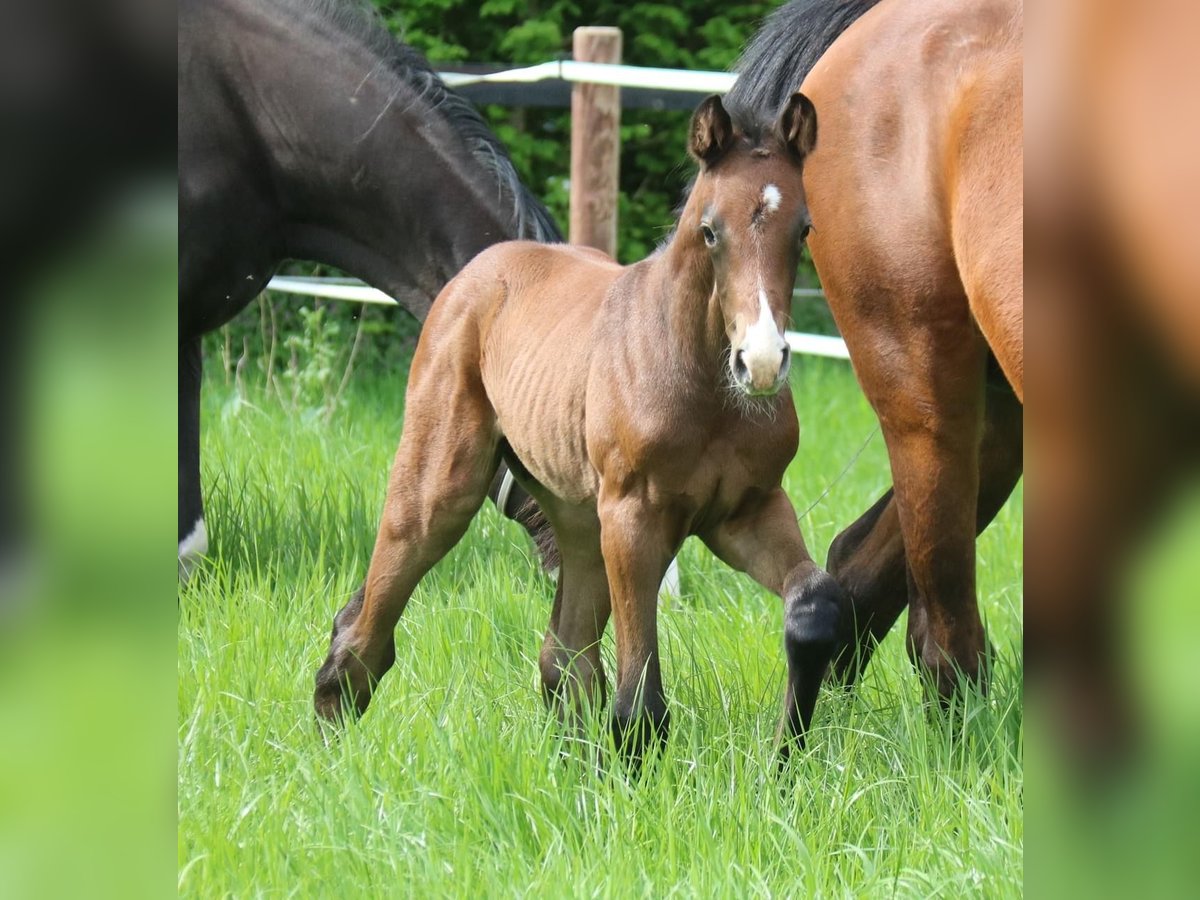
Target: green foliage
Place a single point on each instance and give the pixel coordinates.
(310, 377)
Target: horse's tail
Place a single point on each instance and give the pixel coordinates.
(783, 52)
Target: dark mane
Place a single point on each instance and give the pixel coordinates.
(360, 24)
(783, 52)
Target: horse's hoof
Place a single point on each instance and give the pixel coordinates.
(813, 618)
(638, 734)
(343, 688)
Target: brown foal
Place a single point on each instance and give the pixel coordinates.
(638, 405)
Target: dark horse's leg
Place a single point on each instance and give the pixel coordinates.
(867, 559)
(14, 503)
(764, 541)
(193, 539)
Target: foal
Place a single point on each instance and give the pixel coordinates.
(637, 405)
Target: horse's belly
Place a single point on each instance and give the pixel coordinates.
(540, 408)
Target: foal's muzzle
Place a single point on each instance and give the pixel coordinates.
(761, 371)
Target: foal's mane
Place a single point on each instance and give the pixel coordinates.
(361, 25)
(784, 50)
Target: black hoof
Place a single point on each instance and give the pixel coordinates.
(637, 735)
(812, 629)
(813, 624)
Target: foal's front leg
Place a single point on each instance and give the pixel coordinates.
(637, 544)
(764, 541)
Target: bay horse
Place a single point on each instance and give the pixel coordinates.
(638, 405)
(306, 131)
(916, 198)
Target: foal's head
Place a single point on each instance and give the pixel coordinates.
(747, 208)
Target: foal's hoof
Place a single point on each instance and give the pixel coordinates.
(813, 618)
(344, 684)
(636, 735)
(335, 699)
(811, 628)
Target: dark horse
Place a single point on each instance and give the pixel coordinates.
(306, 131)
(916, 195)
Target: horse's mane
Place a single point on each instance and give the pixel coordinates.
(783, 52)
(360, 24)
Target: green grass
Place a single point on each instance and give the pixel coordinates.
(454, 782)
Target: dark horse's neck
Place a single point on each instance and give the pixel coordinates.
(406, 186)
(345, 150)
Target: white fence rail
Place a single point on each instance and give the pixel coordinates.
(357, 292)
(602, 73)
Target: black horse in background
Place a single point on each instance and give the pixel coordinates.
(307, 132)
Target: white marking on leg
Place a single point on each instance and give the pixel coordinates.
(771, 197)
(506, 486)
(670, 582)
(192, 548)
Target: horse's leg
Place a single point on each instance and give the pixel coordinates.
(571, 668)
(933, 426)
(637, 542)
(193, 538)
(446, 458)
(922, 364)
(867, 559)
(764, 541)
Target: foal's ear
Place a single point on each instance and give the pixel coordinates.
(711, 132)
(797, 126)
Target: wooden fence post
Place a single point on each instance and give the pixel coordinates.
(595, 144)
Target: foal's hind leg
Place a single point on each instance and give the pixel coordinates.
(867, 559)
(447, 456)
(571, 668)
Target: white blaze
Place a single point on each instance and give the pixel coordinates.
(762, 348)
(771, 197)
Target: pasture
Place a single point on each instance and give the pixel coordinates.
(455, 782)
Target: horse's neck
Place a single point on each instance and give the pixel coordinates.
(683, 275)
(379, 185)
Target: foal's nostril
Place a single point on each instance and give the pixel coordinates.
(739, 367)
(787, 357)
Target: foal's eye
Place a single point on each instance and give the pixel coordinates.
(804, 231)
(710, 236)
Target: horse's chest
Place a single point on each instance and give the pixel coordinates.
(703, 471)
(722, 478)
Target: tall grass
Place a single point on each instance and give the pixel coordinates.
(455, 782)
